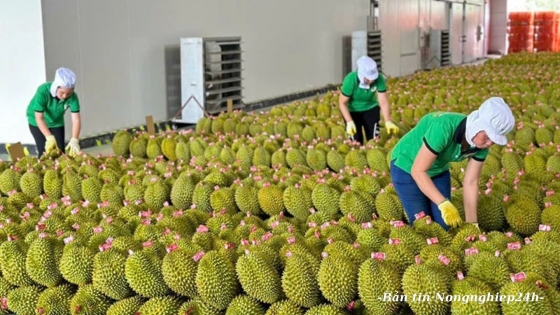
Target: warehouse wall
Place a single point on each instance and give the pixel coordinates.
(404, 23)
(498, 26)
(22, 68)
(400, 21)
(289, 46)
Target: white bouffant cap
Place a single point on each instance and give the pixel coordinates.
(495, 117)
(63, 77)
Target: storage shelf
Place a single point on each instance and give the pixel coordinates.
(375, 47)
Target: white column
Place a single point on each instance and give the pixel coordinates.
(22, 65)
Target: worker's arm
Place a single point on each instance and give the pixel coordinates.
(419, 173)
(471, 190)
(383, 99)
(76, 125)
(39, 105)
(343, 105)
(40, 118)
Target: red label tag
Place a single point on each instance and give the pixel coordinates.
(460, 275)
(378, 255)
(497, 253)
(482, 238)
(397, 224)
(509, 234)
(544, 227)
(417, 259)
(470, 238)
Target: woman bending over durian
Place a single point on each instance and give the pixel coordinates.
(420, 160)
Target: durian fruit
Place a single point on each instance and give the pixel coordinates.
(163, 305)
(524, 298)
(109, 276)
(76, 263)
(121, 143)
(245, 305)
(179, 272)
(338, 279)
(143, 274)
(23, 300)
(470, 296)
(258, 277)
(326, 309)
(216, 280)
(379, 285)
(128, 306)
(88, 300)
(55, 300)
(42, 260)
(427, 282)
(299, 280)
(285, 307)
(13, 255)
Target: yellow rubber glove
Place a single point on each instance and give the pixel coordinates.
(450, 214)
(351, 128)
(391, 128)
(50, 144)
(73, 147)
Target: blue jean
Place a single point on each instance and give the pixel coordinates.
(413, 199)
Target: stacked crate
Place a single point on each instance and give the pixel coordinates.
(521, 32)
(546, 31)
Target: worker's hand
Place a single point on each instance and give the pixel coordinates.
(351, 128)
(50, 144)
(450, 214)
(391, 128)
(73, 147)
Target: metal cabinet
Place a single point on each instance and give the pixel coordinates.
(211, 74)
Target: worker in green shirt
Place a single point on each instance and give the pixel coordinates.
(420, 160)
(363, 96)
(45, 113)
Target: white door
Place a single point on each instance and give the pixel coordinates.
(408, 25)
(457, 38)
(474, 44)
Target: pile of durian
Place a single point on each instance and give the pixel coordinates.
(278, 213)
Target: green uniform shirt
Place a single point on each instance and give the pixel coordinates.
(52, 107)
(443, 133)
(362, 99)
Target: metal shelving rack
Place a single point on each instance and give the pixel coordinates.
(375, 47)
(445, 49)
(211, 74)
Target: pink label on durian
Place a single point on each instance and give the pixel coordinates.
(514, 246)
(471, 251)
(443, 259)
(432, 240)
(378, 255)
(420, 215)
(544, 227)
(395, 241)
(518, 277)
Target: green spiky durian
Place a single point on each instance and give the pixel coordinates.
(216, 280)
(258, 278)
(128, 306)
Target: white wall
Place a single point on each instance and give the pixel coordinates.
(22, 65)
(288, 45)
(498, 26)
(399, 21)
